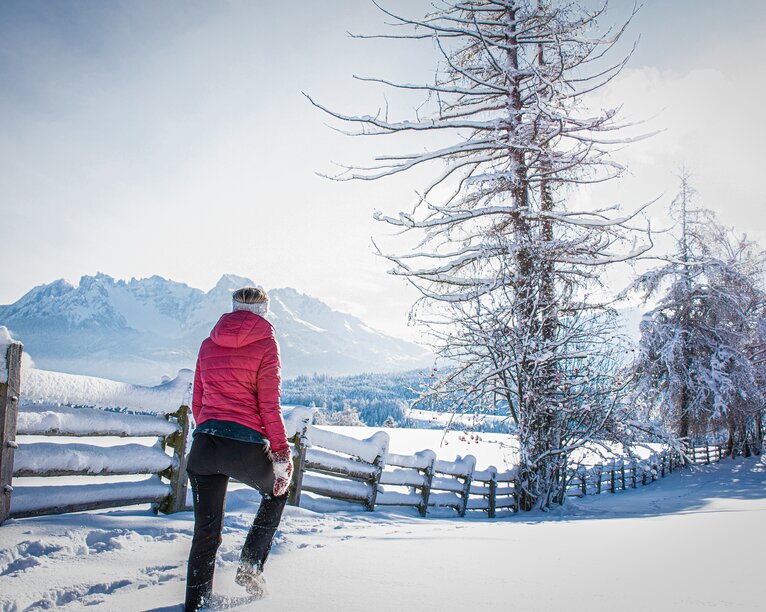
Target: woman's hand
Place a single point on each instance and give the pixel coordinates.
(283, 471)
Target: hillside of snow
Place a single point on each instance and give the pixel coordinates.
(685, 543)
(139, 330)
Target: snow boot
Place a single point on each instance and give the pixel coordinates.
(252, 578)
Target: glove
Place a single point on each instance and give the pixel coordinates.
(283, 471)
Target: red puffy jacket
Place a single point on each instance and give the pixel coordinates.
(237, 376)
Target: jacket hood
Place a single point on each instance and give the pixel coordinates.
(240, 328)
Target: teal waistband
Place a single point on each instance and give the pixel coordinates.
(231, 430)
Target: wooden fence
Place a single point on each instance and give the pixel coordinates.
(620, 475)
(707, 453)
(326, 463)
(339, 467)
(166, 489)
(363, 471)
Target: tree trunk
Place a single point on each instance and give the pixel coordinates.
(758, 433)
(731, 443)
(684, 420)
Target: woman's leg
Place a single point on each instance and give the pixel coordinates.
(209, 494)
(259, 539)
(253, 467)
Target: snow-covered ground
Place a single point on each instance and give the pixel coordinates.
(691, 541)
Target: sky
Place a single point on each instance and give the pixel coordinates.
(173, 138)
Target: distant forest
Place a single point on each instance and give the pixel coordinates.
(371, 399)
(376, 397)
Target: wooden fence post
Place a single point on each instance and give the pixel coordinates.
(179, 480)
(612, 479)
(10, 391)
(492, 498)
(466, 490)
(375, 482)
(633, 469)
(599, 471)
(299, 464)
(584, 481)
(707, 453)
(622, 473)
(426, 491)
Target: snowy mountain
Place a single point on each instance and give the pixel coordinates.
(142, 329)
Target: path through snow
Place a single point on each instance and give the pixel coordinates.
(692, 541)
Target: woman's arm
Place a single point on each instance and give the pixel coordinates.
(197, 393)
(268, 389)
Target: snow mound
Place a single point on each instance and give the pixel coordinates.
(5, 341)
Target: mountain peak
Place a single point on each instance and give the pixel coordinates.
(139, 330)
(103, 277)
(232, 282)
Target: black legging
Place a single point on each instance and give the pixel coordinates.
(212, 460)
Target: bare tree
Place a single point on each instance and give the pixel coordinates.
(508, 271)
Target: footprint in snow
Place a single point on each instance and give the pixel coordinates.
(84, 594)
(19, 565)
(102, 541)
(223, 602)
(25, 556)
(159, 574)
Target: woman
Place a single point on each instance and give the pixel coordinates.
(240, 434)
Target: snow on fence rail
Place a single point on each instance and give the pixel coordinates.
(76, 390)
(91, 397)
